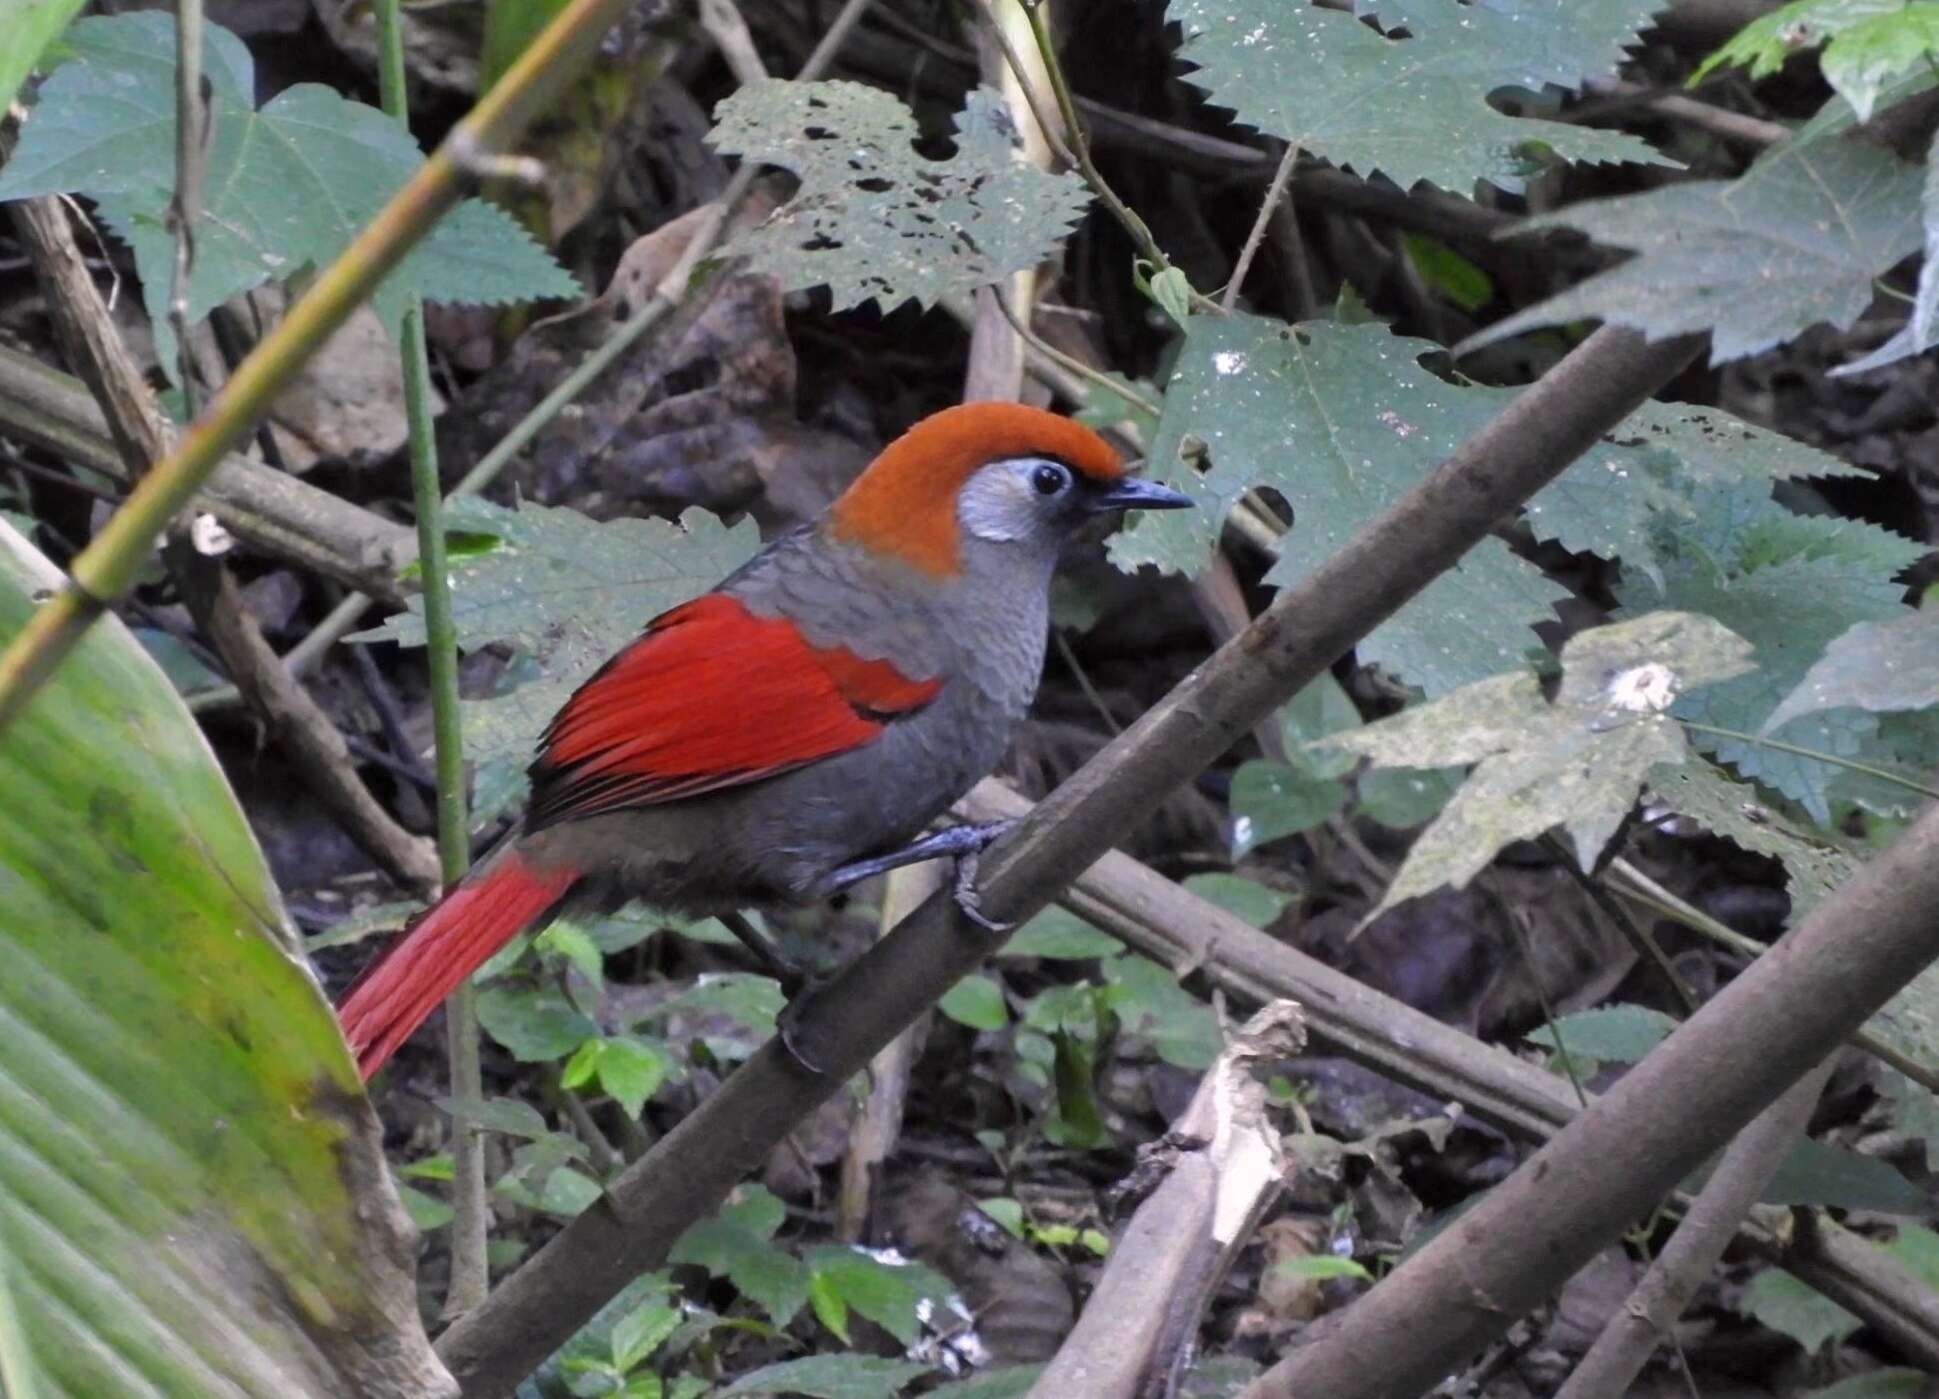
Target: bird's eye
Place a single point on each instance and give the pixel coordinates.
(1049, 479)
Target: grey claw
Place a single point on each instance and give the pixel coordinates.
(969, 901)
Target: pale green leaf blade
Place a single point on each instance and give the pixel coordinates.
(1475, 722)
(1862, 61)
(1342, 420)
(27, 27)
(1620, 1034)
(192, 1194)
(1880, 666)
(1412, 108)
(1764, 45)
(876, 220)
(1921, 330)
(1796, 240)
(1786, 1305)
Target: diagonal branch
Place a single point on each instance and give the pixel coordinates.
(629, 1229)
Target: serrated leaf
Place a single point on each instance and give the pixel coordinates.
(737, 1244)
(570, 591)
(1796, 240)
(536, 1023)
(1576, 763)
(1781, 1302)
(639, 1333)
(1768, 42)
(830, 1377)
(1413, 108)
(876, 220)
(1788, 584)
(1814, 862)
(193, 1198)
(1879, 666)
(1609, 1035)
(1868, 43)
(286, 187)
(1921, 330)
(892, 1295)
(1342, 421)
(1650, 465)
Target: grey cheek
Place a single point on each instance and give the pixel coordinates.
(995, 516)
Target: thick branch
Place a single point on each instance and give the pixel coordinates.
(270, 510)
(630, 1228)
(1785, 1012)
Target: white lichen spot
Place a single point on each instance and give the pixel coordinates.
(1398, 425)
(1644, 689)
(1242, 832)
(1229, 362)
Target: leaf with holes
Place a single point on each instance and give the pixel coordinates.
(1576, 763)
(1796, 240)
(876, 220)
(1788, 584)
(193, 1197)
(1412, 103)
(286, 187)
(569, 591)
(1814, 862)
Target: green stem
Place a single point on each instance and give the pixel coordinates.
(110, 564)
(1818, 754)
(469, 1275)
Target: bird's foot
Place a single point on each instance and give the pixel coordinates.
(964, 891)
(787, 1025)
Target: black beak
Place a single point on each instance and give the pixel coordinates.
(1132, 493)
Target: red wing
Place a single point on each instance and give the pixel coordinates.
(710, 697)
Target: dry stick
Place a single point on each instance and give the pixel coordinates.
(1708, 1226)
(1222, 1171)
(91, 342)
(1576, 1195)
(728, 30)
(629, 1229)
(110, 564)
(1257, 234)
(269, 510)
(191, 157)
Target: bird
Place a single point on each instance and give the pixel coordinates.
(797, 728)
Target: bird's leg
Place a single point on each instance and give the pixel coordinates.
(963, 844)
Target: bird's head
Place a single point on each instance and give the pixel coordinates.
(992, 476)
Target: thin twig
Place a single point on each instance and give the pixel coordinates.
(1817, 755)
(724, 25)
(471, 1216)
(1257, 234)
(192, 99)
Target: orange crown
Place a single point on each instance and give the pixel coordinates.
(904, 503)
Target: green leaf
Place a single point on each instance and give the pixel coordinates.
(1342, 421)
(510, 1116)
(1788, 584)
(536, 1023)
(1868, 44)
(1243, 898)
(1815, 862)
(1878, 666)
(1768, 42)
(1322, 708)
(876, 220)
(27, 27)
(976, 1001)
(286, 188)
(569, 590)
(1576, 763)
(1921, 330)
(1403, 798)
(427, 1212)
(1271, 800)
(892, 1295)
(737, 1244)
(1007, 1212)
(629, 1069)
(1447, 272)
(1413, 108)
(1818, 1173)
(1647, 472)
(1611, 1035)
(192, 1196)
(1789, 1307)
(830, 1377)
(1150, 1002)
(1321, 1266)
(1796, 240)
(639, 1333)
(1061, 935)
(1173, 294)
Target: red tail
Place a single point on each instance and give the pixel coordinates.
(395, 993)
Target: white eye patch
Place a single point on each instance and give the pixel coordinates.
(999, 503)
